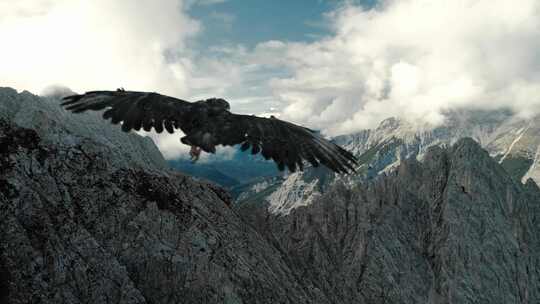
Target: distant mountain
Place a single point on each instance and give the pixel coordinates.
(514, 143)
(204, 171)
(243, 168)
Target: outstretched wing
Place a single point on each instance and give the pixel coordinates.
(135, 109)
(286, 143)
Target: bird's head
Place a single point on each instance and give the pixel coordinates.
(218, 103)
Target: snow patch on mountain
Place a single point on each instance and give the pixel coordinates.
(519, 136)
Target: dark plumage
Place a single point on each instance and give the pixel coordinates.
(208, 123)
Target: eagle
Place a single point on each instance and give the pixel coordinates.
(209, 123)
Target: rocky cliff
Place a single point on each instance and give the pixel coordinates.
(83, 220)
(57, 127)
(453, 229)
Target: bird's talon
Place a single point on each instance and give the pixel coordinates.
(194, 153)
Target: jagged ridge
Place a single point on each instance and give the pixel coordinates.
(515, 143)
(453, 229)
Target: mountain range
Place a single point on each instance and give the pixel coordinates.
(233, 173)
(513, 142)
(89, 214)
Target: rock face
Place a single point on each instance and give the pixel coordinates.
(74, 229)
(453, 229)
(89, 214)
(57, 127)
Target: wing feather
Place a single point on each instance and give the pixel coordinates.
(289, 145)
(135, 110)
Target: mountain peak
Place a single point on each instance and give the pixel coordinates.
(55, 126)
(390, 123)
(469, 146)
(7, 91)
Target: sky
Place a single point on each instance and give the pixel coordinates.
(338, 66)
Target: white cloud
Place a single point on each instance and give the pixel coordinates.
(93, 44)
(204, 2)
(171, 148)
(412, 58)
(23, 8)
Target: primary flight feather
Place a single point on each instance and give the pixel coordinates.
(208, 123)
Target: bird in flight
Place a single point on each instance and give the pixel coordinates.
(208, 123)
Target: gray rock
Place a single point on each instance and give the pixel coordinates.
(75, 228)
(453, 229)
(57, 127)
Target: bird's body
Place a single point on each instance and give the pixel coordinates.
(208, 123)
